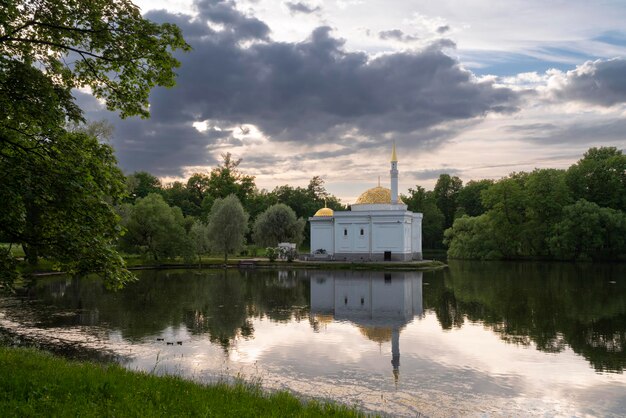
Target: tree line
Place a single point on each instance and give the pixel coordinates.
(219, 211)
(573, 214)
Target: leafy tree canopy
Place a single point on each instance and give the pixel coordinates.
(278, 224)
(47, 49)
(600, 177)
(446, 191)
(60, 205)
(155, 229)
(228, 223)
(104, 44)
(422, 201)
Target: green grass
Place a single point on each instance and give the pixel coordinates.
(34, 383)
(16, 249)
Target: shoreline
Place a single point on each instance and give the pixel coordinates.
(263, 263)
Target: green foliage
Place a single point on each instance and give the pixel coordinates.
(421, 201)
(472, 238)
(589, 232)
(445, 192)
(469, 197)
(271, 253)
(228, 223)
(59, 205)
(199, 239)
(140, 184)
(532, 215)
(155, 229)
(547, 195)
(278, 224)
(8, 269)
(600, 177)
(506, 202)
(58, 185)
(36, 384)
(118, 54)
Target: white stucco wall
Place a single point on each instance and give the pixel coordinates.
(322, 235)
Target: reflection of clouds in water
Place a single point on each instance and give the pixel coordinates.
(343, 350)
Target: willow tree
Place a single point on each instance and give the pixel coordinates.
(278, 224)
(47, 49)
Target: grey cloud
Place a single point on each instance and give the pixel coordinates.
(582, 133)
(396, 34)
(431, 174)
(443, 29)
(299, 92)
(600, 82)
(301, 7)
(162, 148)
(531, 127)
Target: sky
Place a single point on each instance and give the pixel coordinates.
(476, 89)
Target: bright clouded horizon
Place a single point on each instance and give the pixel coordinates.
(476, 89)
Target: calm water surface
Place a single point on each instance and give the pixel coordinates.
(474, 339)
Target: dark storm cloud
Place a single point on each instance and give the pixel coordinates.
(314, 90)
(396, 34)
(600, 82)
(162, 148)
(301, 7)
(224, 12)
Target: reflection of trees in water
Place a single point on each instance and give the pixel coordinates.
(218, 303)
(552, 305)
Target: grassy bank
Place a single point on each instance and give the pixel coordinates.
(297, 264)
(35, 383)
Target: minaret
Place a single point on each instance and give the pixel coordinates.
(394, 175)
(395, 353)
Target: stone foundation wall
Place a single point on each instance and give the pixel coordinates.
(373, 257)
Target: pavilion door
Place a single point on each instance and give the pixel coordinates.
(387, 256)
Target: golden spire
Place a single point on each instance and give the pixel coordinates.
(394, 158)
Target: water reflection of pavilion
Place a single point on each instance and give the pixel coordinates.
(379, 303)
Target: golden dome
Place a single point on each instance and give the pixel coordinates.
(374, 195)
(324, 212)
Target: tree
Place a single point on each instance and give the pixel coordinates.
(547, 195)
(506, 203)
(228, 223)
(600, 177)
(60, 206)
(472, 238)
(446, 191)
(588, 231)
(422, 201)
(114, 50)
(199, 243)
(48, 48)
(469, 197)
(278, 224)
(141, 184)
(227, 179)
(155, 229)
(224, 180)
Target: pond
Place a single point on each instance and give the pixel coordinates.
(473, 339)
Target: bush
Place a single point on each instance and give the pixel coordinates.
(271, 253)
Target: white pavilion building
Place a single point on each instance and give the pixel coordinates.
(376, 228)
